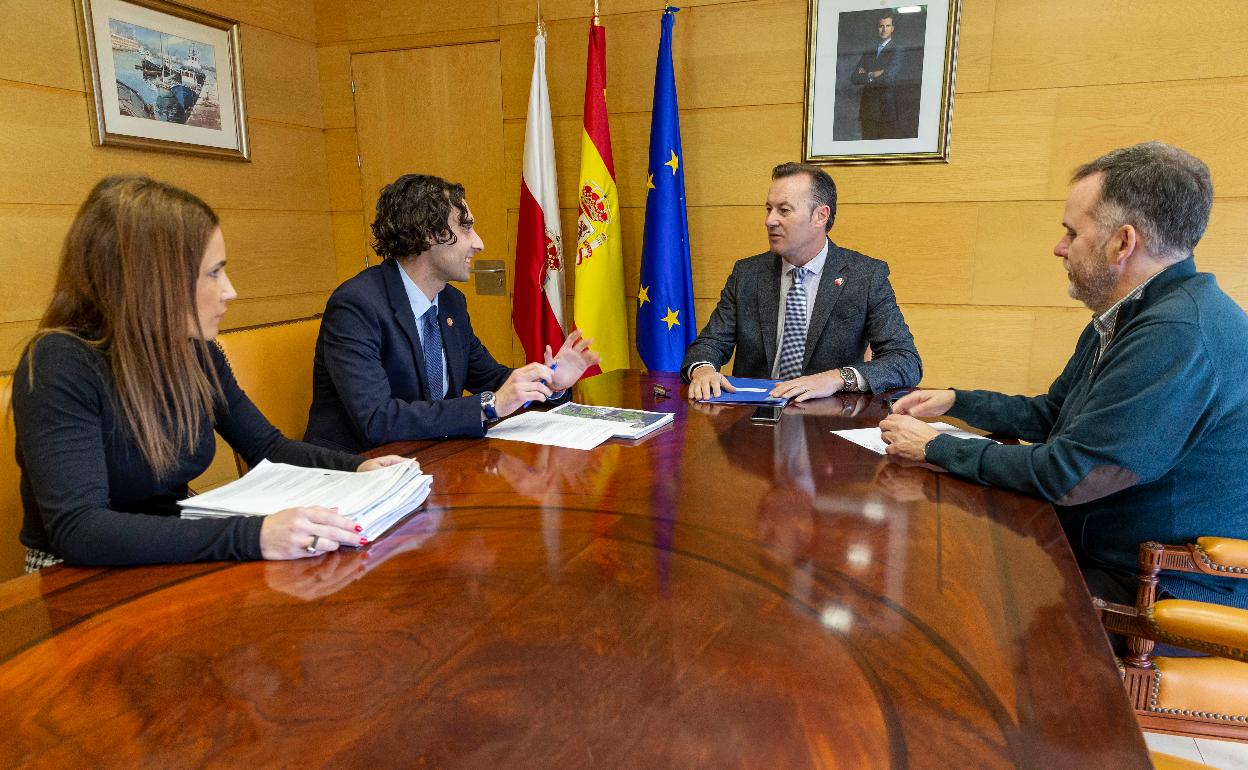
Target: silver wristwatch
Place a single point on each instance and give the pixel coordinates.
(851, 380)
(487, 406)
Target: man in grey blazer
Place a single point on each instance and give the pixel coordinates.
(805, 311)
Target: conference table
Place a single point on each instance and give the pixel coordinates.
(718, 594)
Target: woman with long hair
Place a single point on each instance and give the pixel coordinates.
(117, 395)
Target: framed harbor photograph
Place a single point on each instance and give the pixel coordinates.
(163, 76)
(879, 81)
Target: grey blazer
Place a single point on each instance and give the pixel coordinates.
(858, 311)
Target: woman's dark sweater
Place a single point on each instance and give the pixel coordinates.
(88, 494)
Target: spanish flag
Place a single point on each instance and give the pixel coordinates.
(599, 296)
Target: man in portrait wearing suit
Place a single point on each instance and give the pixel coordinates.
(879, 72)
(805, 311)
(396, 349)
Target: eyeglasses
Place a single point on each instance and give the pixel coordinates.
(661, 392)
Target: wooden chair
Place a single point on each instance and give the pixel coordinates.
(273, 365)
(1200, 697)
(12, 554)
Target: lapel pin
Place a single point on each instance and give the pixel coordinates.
(839, 280)
(450, 322)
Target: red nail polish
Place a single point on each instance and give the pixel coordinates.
(358, 528)
(363, 541)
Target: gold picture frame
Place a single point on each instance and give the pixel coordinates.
(874, 94)
(163, 76)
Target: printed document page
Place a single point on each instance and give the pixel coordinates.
(870, 438)
(553, 430)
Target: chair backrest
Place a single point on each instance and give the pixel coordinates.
(273, 364)
(12, 554)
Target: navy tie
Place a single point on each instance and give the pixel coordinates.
(432, 344)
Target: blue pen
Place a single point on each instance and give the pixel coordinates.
(553, 367)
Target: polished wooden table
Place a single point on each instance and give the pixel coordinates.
(721, 594)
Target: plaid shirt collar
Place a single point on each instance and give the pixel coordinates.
(1106, 323)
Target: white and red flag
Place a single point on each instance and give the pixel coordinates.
(537, 297)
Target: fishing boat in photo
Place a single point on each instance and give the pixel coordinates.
(176, 95)
(193, 65)
(152, 65)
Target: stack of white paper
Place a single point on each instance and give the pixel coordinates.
(375, 500)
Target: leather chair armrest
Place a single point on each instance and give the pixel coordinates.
(1224, 555)
(1200, 626)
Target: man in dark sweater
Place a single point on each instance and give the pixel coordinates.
(1139, 436)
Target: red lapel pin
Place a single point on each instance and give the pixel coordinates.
(839, 281)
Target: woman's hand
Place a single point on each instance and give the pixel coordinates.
(297, 533)
(384, 462)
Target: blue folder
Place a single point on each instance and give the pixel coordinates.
(749, 397)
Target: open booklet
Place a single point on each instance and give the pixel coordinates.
(576, 426)
(376, 500)
(628, 423)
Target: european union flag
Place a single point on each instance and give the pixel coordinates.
(666, 324)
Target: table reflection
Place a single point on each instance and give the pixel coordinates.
(316, 578)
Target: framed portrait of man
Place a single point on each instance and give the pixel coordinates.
(879, 81)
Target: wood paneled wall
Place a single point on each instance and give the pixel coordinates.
(1042, 85)
(275, 210)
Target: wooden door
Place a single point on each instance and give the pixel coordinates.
(440, 111)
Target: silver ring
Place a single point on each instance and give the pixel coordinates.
(311, 547)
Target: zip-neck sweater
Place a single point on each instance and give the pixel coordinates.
(1144, 443)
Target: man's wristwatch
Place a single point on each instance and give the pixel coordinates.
(851, 380)
(487, 406)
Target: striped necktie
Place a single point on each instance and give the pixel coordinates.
(793, 344)
(432, 345)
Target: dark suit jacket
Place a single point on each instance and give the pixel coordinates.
(878, 109)
(368, 379)
(860, 311)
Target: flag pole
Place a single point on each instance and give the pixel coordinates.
(596, 24)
